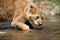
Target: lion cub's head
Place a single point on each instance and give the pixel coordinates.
(36, 15)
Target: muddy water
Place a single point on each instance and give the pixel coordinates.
(50, 31)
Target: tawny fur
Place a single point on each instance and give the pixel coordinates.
(25, 11)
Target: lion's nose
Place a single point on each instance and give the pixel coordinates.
(40, 24)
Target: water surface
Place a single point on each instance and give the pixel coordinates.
(50, 31)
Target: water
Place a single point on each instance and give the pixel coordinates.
(50, 31)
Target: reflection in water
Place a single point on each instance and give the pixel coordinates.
(49, 31)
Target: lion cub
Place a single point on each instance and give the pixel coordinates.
(25, 11)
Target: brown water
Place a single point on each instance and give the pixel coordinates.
(51, 31)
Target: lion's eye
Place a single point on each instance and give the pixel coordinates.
(41, 17)
(36, 18)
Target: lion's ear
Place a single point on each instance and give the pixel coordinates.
(32, 9)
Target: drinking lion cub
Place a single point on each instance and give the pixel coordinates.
(25, 11)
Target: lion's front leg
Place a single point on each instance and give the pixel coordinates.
(22, 26)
